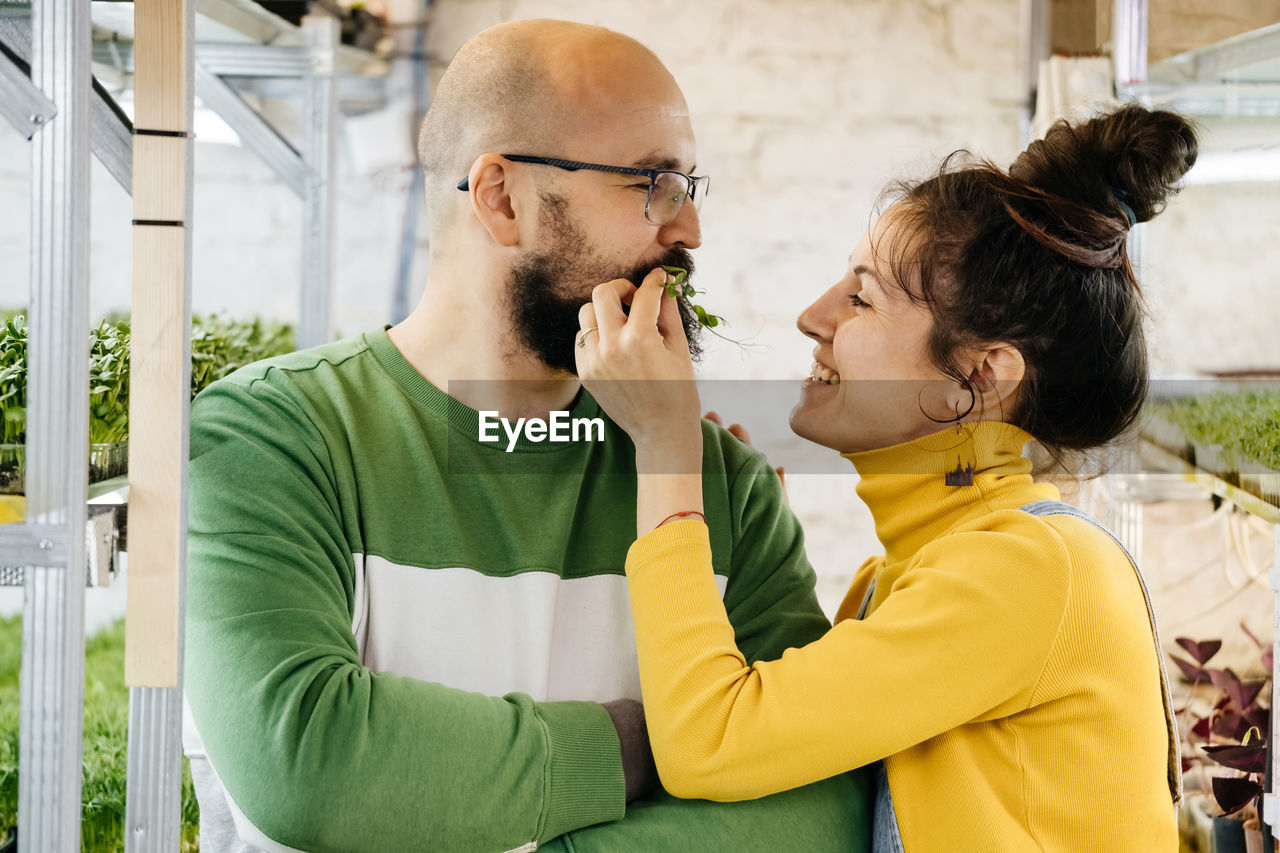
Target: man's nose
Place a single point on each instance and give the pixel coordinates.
(684, 230)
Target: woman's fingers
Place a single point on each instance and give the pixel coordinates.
(607, 299)
(587, 316)
(647, 302)
(654, 413)
(671, 325)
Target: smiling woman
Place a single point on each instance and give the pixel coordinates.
(875, 383)
(1004, 638)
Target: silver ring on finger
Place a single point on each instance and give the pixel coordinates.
(582, 336)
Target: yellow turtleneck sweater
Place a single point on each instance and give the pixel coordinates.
(1005, 670)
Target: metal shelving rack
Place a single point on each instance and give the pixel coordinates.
(1156, 458)
(242, 49)
(1239, 76)
(48, 94)
(1236, 76)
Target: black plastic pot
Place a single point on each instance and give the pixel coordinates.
(1228, 835)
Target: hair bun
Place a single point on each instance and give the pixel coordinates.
(1132, 156)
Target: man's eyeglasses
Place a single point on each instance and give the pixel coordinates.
(668, 188)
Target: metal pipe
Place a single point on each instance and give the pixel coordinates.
(23, 105)
(1035, 50)
(112, 137)
(52, 703)
(1129, 43)
(254, 131)
(1270, 813)
(112, 141)
(319, 129)
(223, 59)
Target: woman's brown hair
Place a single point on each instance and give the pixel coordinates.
(1036, 257)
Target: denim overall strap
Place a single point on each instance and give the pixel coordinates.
(1041, 508)
(885, 835)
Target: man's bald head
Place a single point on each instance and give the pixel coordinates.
(529, 87)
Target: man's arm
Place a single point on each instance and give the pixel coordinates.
(317, 750)
(831, 816)
(770, 597)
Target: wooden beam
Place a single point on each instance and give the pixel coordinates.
(160, 377)
(1073, 27)
(160, 65)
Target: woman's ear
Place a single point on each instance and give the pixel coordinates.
(996, 374)
(493, 200)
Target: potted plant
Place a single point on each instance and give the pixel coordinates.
(13, 410)
(1165, 433)
(218, 347)
(1226, 725)
(108, 402)
(1235, 435)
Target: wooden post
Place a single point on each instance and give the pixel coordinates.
(159, 402)
(160, 377)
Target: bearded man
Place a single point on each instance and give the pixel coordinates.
(403, 636)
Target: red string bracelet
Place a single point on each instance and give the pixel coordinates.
(686, 514)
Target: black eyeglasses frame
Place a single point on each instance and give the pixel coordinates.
(697, 184)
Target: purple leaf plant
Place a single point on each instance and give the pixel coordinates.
(1233, 734)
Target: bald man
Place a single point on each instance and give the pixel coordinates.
(405, 635)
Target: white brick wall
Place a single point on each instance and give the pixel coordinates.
(803, 109)
(1213, 278)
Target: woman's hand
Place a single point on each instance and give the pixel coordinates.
(638, 368)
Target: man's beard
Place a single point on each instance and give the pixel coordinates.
(547, 289)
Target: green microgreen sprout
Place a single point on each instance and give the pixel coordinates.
(1246, 422)
(104, 762)
(109, 383)
(219, 347)
(678, 285)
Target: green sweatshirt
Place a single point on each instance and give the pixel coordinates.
(397, 634)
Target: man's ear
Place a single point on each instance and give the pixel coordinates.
(492, 199)
(995, 376)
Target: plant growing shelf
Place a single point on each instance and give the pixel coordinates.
(218, 348)
(1227, 443)
(1236, 76)
(1233, 436)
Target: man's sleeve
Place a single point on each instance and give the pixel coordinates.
(770, 597)
(831, 816)
(319, 752)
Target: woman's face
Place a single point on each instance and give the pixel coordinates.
(873, 384)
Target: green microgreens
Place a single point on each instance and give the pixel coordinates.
(678, 285)
(219, 347)
(1245, 422)
(13, 380)
(104, 762)
(109, 383)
